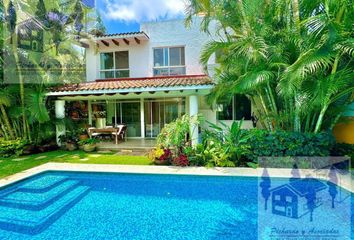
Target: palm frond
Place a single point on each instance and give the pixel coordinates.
(253, 80)
(346, 47)
(35, 101)
(308, 63)
(253, 48)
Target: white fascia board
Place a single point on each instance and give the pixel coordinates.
(131, 90)
(143, 35)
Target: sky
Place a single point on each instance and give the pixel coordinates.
(126, 15)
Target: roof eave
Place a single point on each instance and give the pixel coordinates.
(142, 35)
(130, 90)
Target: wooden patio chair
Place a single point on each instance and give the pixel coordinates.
(121, 133)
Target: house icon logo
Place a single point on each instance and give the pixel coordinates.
(297, 198)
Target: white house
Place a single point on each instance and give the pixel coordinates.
(146, 79)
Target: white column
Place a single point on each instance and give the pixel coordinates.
(193, 110)
(142, 117)
(90, 112)
(60, 114)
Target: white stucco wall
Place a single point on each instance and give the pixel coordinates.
(162, 34)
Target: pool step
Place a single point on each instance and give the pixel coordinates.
(38, 185)
(34, 222)
(43, 184)
(37, 201)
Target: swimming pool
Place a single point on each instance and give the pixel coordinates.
(73, 205)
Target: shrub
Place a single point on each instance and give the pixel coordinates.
(167, 155)
(155, 154)
(282, 143)
(89, 141)
(181, 160)
(160, 155)
(343, 149)
(175, 134)
(224, 146)
(12, 147)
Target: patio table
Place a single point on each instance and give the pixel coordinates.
(109, 130)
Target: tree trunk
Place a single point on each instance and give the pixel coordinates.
(320, 119)
(7, 122)
(21, 83)
(269, 123)
(2, 126)
(296, 14)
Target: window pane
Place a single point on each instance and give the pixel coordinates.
(176, 56)
(107, 74)
(158, 57)
(242, 107)
(165, 53)
(122, 74)
(161, 72)
(122, 60)
(106, 61)
(131, 117)
(175, 71)
(225, 111)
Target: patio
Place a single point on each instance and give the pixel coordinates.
(130, 145)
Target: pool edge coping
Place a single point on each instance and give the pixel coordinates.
(322, 174)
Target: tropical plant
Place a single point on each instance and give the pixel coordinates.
(11, 147)
(175, 134)
(160, 156)
(213, 154)
(181, 160)
(233, 137)
(292, 59)
(23, 112)
(89, 141)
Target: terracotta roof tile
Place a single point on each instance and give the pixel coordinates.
(133, 83)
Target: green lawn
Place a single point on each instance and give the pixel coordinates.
(9, 166)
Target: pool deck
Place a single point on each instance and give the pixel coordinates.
(344, 180)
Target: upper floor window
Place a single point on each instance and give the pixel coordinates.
(114, 64)
(238, 109)
(169, 61)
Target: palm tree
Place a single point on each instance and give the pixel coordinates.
(28, 113)
(12, 19)
(293, 59)
(5, 101)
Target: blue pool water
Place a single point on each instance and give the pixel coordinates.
(63, 205)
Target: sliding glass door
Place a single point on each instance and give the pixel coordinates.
(128, 113)
(159, 112)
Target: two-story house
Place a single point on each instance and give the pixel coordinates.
(147, 79)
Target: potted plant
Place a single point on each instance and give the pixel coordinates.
(70, 141)
(100, 119)
(89, 145)
(160, 156)
(83, 134)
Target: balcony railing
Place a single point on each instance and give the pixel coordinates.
(114, 73)
(170, 71)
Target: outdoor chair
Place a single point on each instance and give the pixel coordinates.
(121, 134)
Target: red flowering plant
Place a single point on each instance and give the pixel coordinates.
(160, 156)
(181, 160)
(167, 155)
